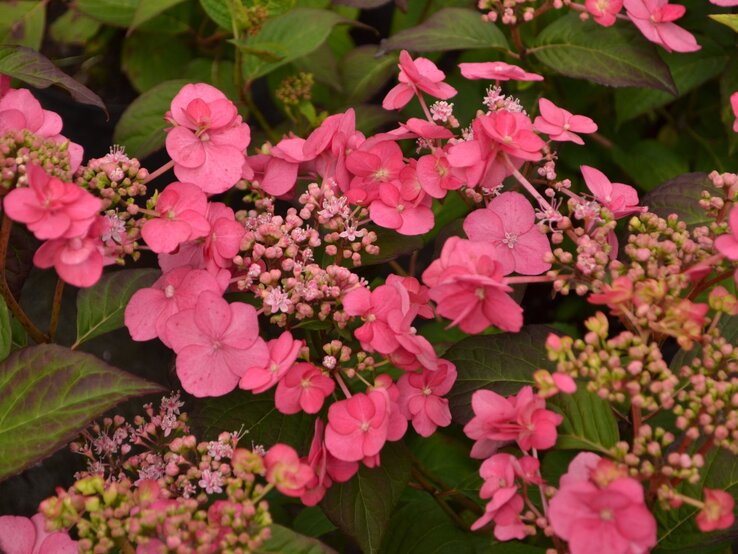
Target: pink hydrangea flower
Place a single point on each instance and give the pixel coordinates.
(285, 470)
(208, 140)
(620, 199)
(513, 134)
(418, 294)
(604, 12)
(560, 124)
(215, 342)
(51, 208)
(373, 164)
(397, 424)
(734, 106)
(149, 308)
(357, 426)
(223, 241)
(727, 244)
(21, 535)
(725, 3)
(283, 352)
(396, 208)
(280, 172)
(303, 387)
(421, 398)
(605, 515)
(717, 512)
(468, 286)
(509, 224)
(20, 110)
(655, 20)
(522, 418)
(505, 504)
(417, 75)
(182, 209)
(497, 71)
(374, 307)
(435, 174)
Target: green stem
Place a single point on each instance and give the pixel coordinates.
(56, 309)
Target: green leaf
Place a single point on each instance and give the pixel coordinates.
(503, 363)
(363, 74)
(6, 330)
(650, 163)
(218, 73)
(362, 507)
(74, 27)
(141, 127)
(391, 245)
(448, 29)
(147, 10)
(22, 23)
(219, 12)
(313, 522)
(616, 56)
(48, 394)
(35, 69)
(446, 459)
(728, 19)
(370, 117)
(323, 65)
(118, 13)
(258, 417)
(100, 308)
(589, 423)
(681, 196)
(286, 541)
(689, 71)
(298, 33)
(147, 64)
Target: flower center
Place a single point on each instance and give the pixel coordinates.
(169, 291)
(510, 239)
(305, 383)
(427, 391)
(479, 293)
(606, 514)
(365, 426)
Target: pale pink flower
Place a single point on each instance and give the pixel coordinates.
(421, 398)
(396, 208)
(50, 208)
(468, 286)
(417, 75)
(727, 244)
(215, 342)
(734, 106)
(604, 515)
(560, 124)
(620, 199)
(149, 308)
(283, 352)
(604, 12)
(717, 512)
(357, 427)
(208, 140)
(655, 20)
(22, 535)
(725, 3)
(182, 209)
(497, 71)
(285, 470)
(509, 224)
(303, 387)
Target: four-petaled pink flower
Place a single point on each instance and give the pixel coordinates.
(285, 470)
(50, 208)
(282, 354)
(421, 397)
(416, 75)
(357, 426)
(620, 199)
(604, 12)
(655, 20)
(468, 286)
(182, 208)
(303, 387)
(727, 244)
(397, 207)
(560, 124)
(215, 342)
(223, 241)
(497, 71)
(21, 535)
(509, 224)
(717, 512)
(208, 140)
(371, 165)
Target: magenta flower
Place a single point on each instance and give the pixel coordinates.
(51, 208)
(497, 71)
(182, 208)
(283, 352)
(513, 133)
(4, 85)
(223, 241)
(416, 75)
(396, 207)
(655, 20)
(604, 12)
(208, 140)
(605, 515)
(509, 224)
(717, 512)
(149, 308)
(468, 286)
(734, 107)
(215, 342)
(372, 165)
(280, 172)
(620, 199)
(561, 125)
(285, 470)
(303, 387)
(435, 175)
(421, 398)
(727, 244)
(374, 308)
(21, 535)
(357, 426)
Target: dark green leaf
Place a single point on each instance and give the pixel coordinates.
(74, 27)
(363, 74)
(218, 73)
(446, 459)
(141, 127)
(649, 162)
(589, 423)
(323, 65)
(35, 69)
(219, 12)
(370, 117)
(391, 245)
(100, 308)
(728, 19)
(448, 29)
(22, 22)
(147, 64)
(118, 13)
(147, 10)
(681, 196)
(6, 330)
(362, 507)
(503, 363)
(48, 393)
(616, 56)
(286, 541)
(313, 522)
